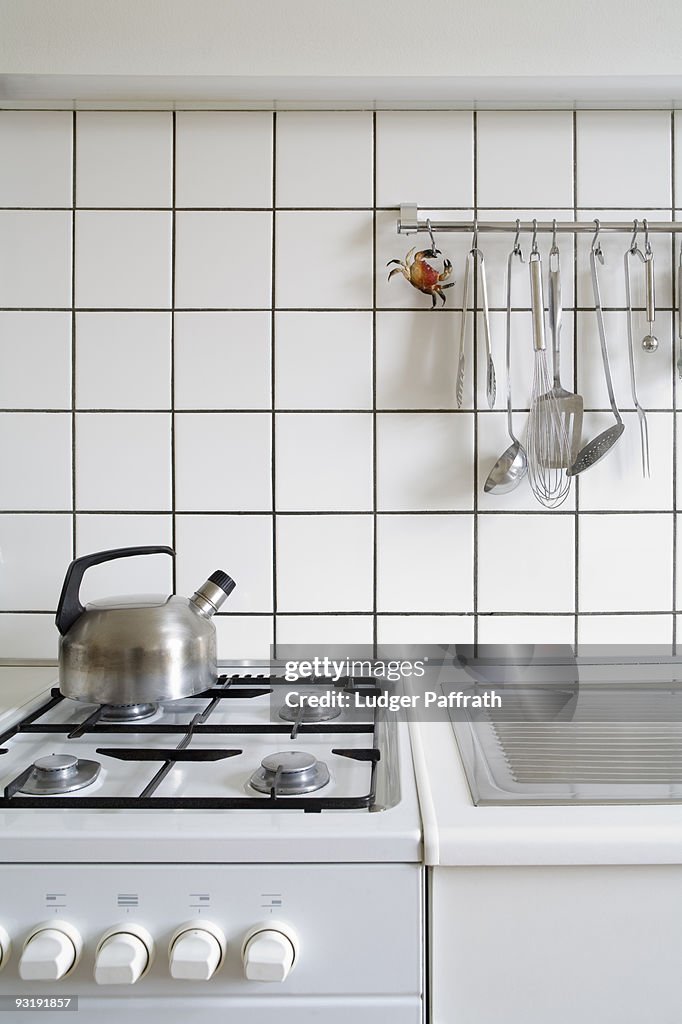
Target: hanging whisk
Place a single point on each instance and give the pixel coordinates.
(548, 446)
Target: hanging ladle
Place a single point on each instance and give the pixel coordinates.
(512, 465)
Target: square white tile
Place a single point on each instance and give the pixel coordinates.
(325, 630)
(526, 629)
(652, 369)
(223, 158)
(522, 358)
(514, 147)
(324, 462)
(425, 629)
(123, 360)
(616, 483)
(425, 563)
(240, 546)
(124, 158)
(233, 472)
(244, 637)
(425, 462)
(623, 157)
(147, 574)
(36, 551)
(612, 272)
(123, 259)
(398, 293)
(29, 636)
(31, 141)
(407, 172)
(35, 360)
(416, 360)
(526, 563)
(324, 563)
(123, 462)
(223, 260)
(35, 461)
(323, 360)
(493, 440)
(35, 258)
(497, 245)
(324, 259)
(625, 563)
(222, 360)
(324, 158)
(596, 630)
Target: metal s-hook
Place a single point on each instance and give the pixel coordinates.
(534, 251)
(474, 240)
(554, 250)
(434, 248)
(633, 240)
(516, 251)
(596, 244)
(647, 243)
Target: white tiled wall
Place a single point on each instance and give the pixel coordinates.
(199, 346)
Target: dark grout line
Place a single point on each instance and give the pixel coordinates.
(273, 390)
(474, 360)
(677, 300)
(74, 461)
(375, 524)
(173, 446)
(576, 346)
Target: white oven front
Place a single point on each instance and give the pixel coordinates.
(356, 928)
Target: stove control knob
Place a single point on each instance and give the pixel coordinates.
(50, 952)
(196, 951)
(124, 954)
(269, 952)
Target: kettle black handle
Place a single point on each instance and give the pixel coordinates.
(70, 608)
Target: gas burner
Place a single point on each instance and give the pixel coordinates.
(60, 773)
(123, 713)
(305, 714)
(290, 773)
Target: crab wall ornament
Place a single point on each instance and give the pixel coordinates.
(423, 275)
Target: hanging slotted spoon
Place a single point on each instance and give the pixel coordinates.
(601, 445)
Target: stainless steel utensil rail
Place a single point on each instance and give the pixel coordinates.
(409, 224)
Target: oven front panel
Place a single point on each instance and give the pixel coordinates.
(358, 929)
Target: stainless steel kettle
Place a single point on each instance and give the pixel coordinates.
(136, 650)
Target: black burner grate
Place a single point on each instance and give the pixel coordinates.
(233, 687)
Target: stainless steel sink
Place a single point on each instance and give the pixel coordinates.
(616, 738)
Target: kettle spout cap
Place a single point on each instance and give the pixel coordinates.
(211, 594)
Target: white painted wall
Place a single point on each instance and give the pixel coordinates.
(359, 38)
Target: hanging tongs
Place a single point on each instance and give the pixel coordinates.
(475, 256)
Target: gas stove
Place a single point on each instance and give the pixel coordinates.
(241, 851)
(225, 749)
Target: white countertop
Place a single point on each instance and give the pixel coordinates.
(456, 832)
(19, 684)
